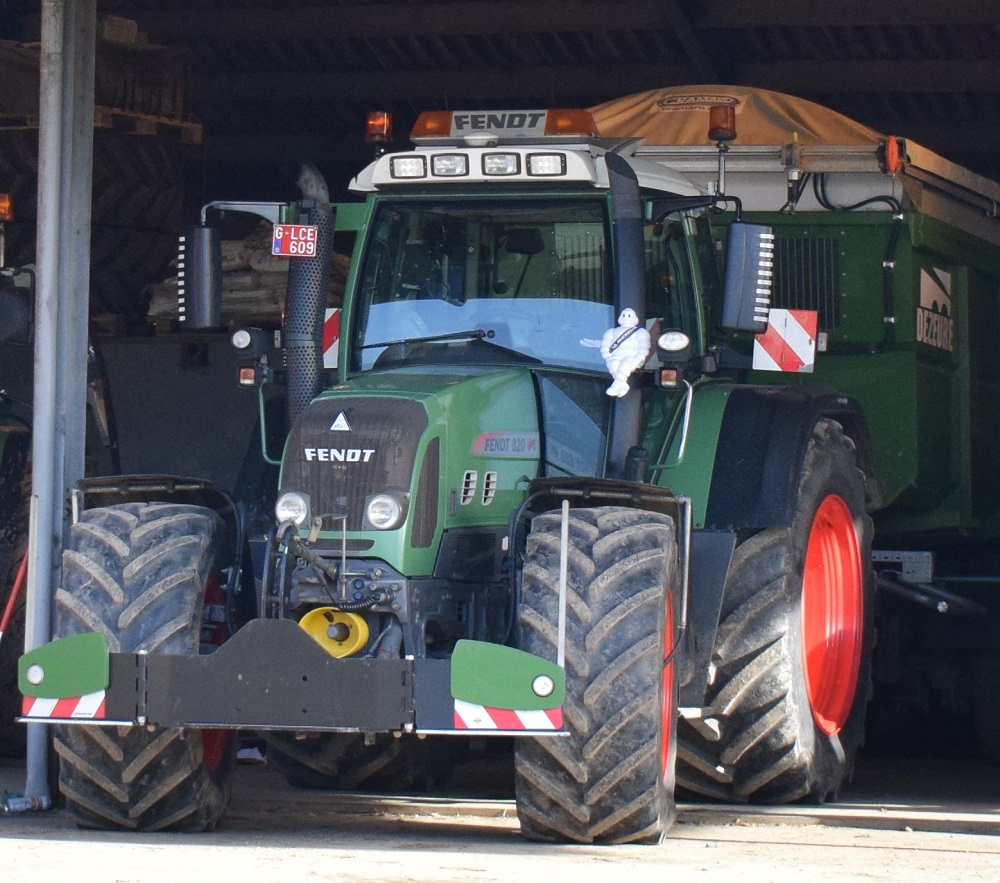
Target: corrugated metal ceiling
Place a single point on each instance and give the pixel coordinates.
(273, 81)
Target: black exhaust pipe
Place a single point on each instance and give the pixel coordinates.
(306, 299)
(630, 284)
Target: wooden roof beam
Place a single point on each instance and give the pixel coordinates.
(425, 87)
(875, 75)
(478, 17)
(842, 13)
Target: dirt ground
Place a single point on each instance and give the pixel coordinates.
(905, 821)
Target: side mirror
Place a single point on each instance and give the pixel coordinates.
(746, 298)
(199, 278)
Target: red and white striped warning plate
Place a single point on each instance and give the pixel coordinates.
(331, 338)
(469, 716)
(88, 707)
(789, 344)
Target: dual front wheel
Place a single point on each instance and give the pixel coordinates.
(791, 662)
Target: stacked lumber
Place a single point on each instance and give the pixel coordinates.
(253, 283)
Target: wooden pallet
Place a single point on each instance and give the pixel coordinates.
(121, 121)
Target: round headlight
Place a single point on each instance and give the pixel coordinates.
(292, 506)
(384, 512)
(242, 339)
(673, 341)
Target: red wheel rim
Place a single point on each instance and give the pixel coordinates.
(667, 690)
(832, 614)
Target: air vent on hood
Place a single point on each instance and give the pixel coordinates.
(469, 486)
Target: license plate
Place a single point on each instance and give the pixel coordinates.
(294, 240)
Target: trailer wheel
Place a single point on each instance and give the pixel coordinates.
(793, 647)
(137, 573)
(611, 780)
(343, 762)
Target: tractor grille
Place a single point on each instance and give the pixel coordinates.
(425, 508)
(372, 449)
(807, 277)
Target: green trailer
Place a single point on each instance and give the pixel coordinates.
(897, 251)
(668, 580)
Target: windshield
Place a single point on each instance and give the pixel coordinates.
(524, 280)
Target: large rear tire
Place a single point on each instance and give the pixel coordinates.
(611, 780)
(137, 573)
(794, 644)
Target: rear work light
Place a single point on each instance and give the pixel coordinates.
(501, 164)
(408, 167)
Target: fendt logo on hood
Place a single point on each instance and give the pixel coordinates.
(338, 455)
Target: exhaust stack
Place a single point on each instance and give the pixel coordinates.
(308, 290)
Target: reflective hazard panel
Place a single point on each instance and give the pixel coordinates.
(331, 338)
(789, 344)
(294, 240)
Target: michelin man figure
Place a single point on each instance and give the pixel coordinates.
(625, 348)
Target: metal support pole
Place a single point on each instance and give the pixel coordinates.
(77, 191)
(65, 163)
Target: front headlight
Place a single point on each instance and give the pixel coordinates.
(292, 506)
(384, 511)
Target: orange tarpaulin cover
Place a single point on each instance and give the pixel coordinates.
(679, 115)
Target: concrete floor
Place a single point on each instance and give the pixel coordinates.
(930, 821)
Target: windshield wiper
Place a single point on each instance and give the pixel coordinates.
(473, 334)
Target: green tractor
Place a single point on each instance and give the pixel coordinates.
(665, 581)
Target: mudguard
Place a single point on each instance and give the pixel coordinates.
(761, 448)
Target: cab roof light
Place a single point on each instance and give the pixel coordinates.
(6, 207)
(546, 165)
(408, 166)
(378, 127)
(449, 165)
(507, 124)
(570, 121)
(432, 124)
(501, 164)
